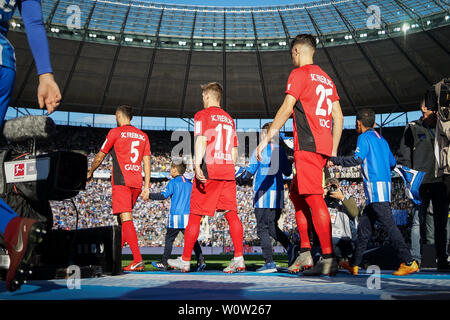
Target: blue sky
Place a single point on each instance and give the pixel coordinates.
(230, 3)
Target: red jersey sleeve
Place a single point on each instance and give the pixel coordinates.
(199, 124)
(295, 84)
(109, 141)
(334, 96)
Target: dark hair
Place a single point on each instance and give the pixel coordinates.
(367, 117)
(126, 111)
(332, 181)
(304, 39)
(180, 166)
(266, 126)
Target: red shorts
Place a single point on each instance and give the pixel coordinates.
(309, 171)
(124, 198)
(212, 196)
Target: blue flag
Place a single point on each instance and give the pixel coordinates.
(413, 180)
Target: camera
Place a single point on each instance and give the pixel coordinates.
(332, 188)
(437, 98)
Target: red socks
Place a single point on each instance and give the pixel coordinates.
(236, 232)
(129, 236)
(321, 220)
(318, 216)
(193, 230)
(191, 235)
(304, 223)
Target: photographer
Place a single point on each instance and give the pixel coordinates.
(343, 211)
(417, 150)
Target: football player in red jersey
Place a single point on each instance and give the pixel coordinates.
(214, 186)
(312, 98)
(129, 148)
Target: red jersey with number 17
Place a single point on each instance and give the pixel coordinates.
(127, 145)
(218, 127)
(315, 93)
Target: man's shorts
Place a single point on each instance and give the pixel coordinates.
(212, 196)
(309, 172)
(124, 198)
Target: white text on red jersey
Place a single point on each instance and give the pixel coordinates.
(319, 78)
(221, 118)
(132, 135)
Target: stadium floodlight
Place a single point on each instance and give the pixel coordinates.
(381, 32)
(182, 43)
(428, 22)
(147, 41)
(282, 43)
(348, 37)
(249, 44)
(397, 29)
(111, 37)
(363, 35)
(128, 39)
(446, 18)
(13, 24)
(232, 44)
(265, 44)
(405, 27)
(332, 40)
(214, 44)
(199, 44)
(92, 35)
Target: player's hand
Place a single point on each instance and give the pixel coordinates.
(145, 194)
(199, 175)
(89, 177)
(259, 149)
(48, 92)
(330, 164)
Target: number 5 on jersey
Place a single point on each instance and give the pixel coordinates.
(134, 151)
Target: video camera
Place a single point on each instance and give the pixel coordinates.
(437, 98)
(54, 176)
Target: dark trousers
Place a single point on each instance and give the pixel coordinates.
(267, 226)
(171, 234)
(379, 212)
(436, 193)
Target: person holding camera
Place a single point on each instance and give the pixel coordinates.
(343, 211)
(417, 151)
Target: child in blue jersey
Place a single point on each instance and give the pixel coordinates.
(21, 234)
(376, 161)
(268, 186)
(179, 190)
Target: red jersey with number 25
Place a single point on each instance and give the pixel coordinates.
(315, 93)
(127, 145)
(219, 129)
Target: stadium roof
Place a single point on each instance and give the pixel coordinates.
(154, 56)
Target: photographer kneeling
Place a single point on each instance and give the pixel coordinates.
(343, 211)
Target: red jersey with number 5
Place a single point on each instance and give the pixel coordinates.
(315, 93)
(127, 145)
(219, 129)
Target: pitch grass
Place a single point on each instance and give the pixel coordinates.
(213, 262)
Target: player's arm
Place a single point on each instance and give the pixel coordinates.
(338, 125)
(280, 119)
(248, 171)
(166, 193)
(357, 159)
(147, 173)
(200, 150)
(48, 93)
(95, 164)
